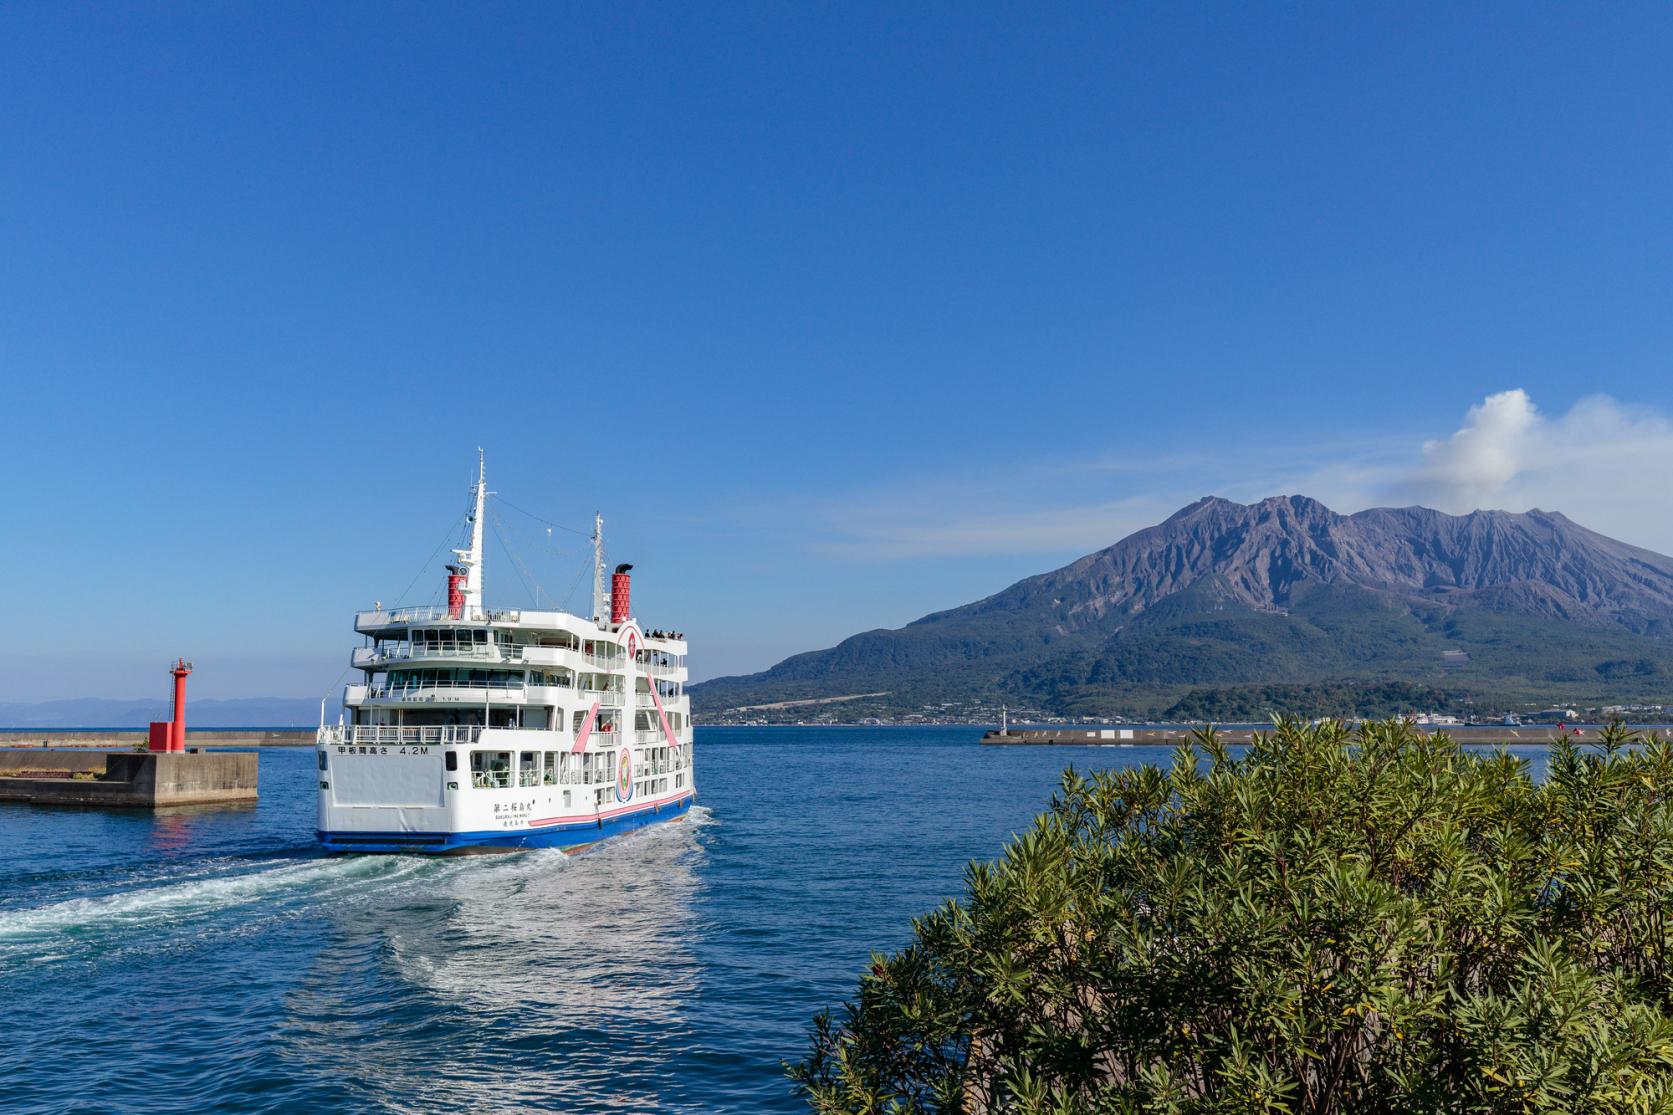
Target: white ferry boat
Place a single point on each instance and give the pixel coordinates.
(476, 729)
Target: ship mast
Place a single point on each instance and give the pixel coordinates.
(469, 561)
(601, 606)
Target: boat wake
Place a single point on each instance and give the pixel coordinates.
(233, 895)
(91, 920)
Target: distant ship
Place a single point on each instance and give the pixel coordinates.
(477, 729)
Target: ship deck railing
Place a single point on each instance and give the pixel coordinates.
(399, 735)
(601, 687)
(367, 656)
(428, 613)
(400, 692)
(373, 657)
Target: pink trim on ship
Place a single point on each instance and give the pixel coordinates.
(667, 730)
(672, 799)
(586, 729)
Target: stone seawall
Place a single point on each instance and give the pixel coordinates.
(128, 779)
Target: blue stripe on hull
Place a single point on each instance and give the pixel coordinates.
(574, 834)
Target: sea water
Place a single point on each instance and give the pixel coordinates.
(213, 960)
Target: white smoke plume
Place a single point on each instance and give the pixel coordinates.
(1473, 466)
(1605, 464)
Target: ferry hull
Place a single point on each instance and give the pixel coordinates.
(569, 835)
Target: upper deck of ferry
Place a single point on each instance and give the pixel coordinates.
(439, 664)
(394, 623)
(511, 637)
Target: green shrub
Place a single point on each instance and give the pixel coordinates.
(1336, 921)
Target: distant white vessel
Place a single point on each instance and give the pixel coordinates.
(1436, 719)
(476, 730)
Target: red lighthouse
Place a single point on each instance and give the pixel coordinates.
(177, 734)
(170, 735)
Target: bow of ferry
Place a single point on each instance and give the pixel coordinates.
(474, 729)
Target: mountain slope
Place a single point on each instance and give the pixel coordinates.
(1284, 591)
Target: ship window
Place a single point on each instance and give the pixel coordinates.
(322, 760)
(566, 799)
(490, 769)
(550, 778)
(528, 771)
(452, 760)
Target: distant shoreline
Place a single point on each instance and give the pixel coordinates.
(130, 738)
(140, 728)
(1155, 734)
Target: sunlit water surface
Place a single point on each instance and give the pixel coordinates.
(212, 960)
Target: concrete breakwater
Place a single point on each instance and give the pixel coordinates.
(136, 737)
(127, 779)
(1170, 735)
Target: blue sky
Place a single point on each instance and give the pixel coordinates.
(840, 314)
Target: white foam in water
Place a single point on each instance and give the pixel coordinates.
(41, 933)
(198, 896)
